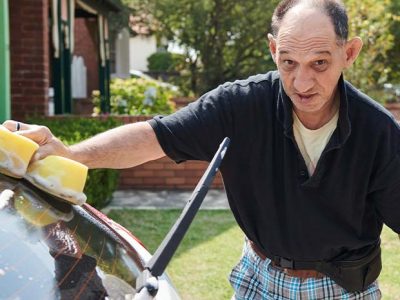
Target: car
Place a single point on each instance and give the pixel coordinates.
(50, 249)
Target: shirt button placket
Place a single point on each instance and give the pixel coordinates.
(303, 175)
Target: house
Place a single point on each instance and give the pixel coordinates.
(38, 41)
(142, 42)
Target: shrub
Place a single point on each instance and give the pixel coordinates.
(138, 96)
(101, 183)
(161, 61)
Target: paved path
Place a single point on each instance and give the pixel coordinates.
(164, 199)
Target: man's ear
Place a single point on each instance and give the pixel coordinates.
(272, 46)
(352, 50)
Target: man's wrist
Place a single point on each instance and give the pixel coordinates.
(74, 154)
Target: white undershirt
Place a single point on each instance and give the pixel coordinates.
(312, 142)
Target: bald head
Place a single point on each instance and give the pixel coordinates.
(333, 9)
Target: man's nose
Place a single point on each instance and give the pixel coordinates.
(303, 80)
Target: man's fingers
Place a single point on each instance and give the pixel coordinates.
(42, 152)
(15, 125)
(49, 144)
(38, 134)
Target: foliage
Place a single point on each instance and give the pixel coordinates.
(372, 21)
(161, 61)
(137, 96)
(101, 183)
(174, 68)
(393, 54)
(223, 39)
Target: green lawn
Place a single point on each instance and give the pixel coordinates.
(213, 245)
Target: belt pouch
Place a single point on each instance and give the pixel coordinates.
(354, 275)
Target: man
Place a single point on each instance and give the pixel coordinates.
(312, 172)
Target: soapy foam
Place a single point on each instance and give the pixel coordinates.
(12, 165)
(62, 240)
(5, 197)
(53, 186)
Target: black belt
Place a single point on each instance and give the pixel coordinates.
(285, 262)
(353, 275)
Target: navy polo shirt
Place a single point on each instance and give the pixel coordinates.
(339, 209)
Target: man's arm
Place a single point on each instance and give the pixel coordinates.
(122, 147)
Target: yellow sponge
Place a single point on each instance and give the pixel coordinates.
(15, 153)
(59, 176)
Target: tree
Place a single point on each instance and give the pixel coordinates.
(394, 53)
(373, 21)
(223, 39)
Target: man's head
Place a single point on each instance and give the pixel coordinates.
(310, 46)
(334, 10)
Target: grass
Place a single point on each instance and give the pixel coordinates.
(213, 246)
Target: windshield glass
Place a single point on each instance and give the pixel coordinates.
(52, 250)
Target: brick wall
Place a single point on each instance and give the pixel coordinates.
(29, 45)
(165, 174)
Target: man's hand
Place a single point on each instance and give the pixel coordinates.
(49, 144)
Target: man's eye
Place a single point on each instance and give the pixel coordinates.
(320, 62)
(288, 62)
(320, 65)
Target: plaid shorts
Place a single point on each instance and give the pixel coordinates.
(254, 278)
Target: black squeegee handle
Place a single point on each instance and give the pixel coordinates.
(158, 263)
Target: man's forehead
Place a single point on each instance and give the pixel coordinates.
(304, 24)
(312, 45)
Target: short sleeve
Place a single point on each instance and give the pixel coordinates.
(195, 131)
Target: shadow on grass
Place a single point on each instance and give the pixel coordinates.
(151, 226)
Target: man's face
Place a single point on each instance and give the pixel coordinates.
(309, 60)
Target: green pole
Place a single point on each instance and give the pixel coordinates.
(102, 88)
(4, 62)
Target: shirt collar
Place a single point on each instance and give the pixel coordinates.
(285, 107)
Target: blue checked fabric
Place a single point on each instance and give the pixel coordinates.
(253, 278)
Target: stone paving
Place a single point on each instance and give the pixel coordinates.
(163, 199)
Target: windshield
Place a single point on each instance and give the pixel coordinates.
(52, 250)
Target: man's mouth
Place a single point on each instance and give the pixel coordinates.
(305, 97)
